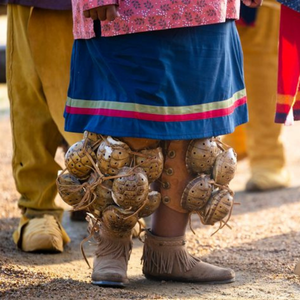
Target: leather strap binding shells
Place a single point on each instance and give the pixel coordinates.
(103, 197)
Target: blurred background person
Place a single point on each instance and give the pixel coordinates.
(260, 139)
(288, 89)
(39, 45)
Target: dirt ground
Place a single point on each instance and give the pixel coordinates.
(262, 247)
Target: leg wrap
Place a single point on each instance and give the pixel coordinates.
(175, 176)
(138, 144)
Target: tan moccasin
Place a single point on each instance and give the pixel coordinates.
(43, 234)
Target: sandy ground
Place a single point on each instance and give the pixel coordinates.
(262, 247)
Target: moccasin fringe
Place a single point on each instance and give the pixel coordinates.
(116, 246)
(160, 255)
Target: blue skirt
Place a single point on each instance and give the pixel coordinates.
(183, 83)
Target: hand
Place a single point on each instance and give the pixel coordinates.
(107, 12)
(252, 3)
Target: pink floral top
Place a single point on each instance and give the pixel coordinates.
(148, 15)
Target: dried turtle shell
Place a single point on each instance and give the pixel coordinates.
(113, 155)
(225, 167)
(197, 193)
(118, 219)
(151, 204)
(103, 197)
(152, 164)
(69, 188)
(201, 155)
(91, 137)
(77, 161)
(218, 207)
(130, 191)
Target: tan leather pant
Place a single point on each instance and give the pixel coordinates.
(39, 44)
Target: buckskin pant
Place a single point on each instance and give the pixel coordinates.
(39, 44)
